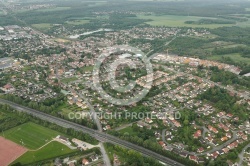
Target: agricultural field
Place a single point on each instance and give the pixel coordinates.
(53, 9)
(235, 57)
(30, 135)
(57, 148)
(178, 21)
(42, 26)
(77, 22)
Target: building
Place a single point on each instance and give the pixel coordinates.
(85, 161)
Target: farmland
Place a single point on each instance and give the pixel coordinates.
(177, 21)
(57, 148)
(42, 26)
(235, 57)
(77, 22)
(32, 135)
(53, 9)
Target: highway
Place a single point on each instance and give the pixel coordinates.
(94, 133)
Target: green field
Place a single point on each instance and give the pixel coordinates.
(77, 22)
(42, 26)
(128, 130)
(235, 57)
(32, 135)
(54, 9)
(52, 150)
(177, 21)
(87, 69)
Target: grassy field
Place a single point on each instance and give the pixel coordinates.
(87, 69)
(32, 135)
(77, 22)
(52, 150)
(234, 57)
(42, 27)
(70, 108)
(177, 21)
(128, 130)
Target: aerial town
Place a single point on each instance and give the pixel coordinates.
(105, 96)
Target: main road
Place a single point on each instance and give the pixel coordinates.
(94, 133)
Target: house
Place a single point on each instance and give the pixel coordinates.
(116, 160)
(63, 139)
(142, 124)
(148, 120)
(107, 127)
(168, 148)
(214, 155)
(7, 88)
(224, 139)
(200, 150)
(233, 145)
(94, 157)
(197, 134)
(222, 126)
(85, 161)
(58, 162)
(201, 160)
(193, 158)
(71, 164)
(229, 115)
(211, 128)
(162, 143)
(220, 152)
(225, 150)
(228, 135)
(183, 154)
(176, 123)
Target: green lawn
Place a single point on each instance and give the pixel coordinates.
(128, 130)
(32, 135)
(236, 57)
(177, 21)
(52, 150)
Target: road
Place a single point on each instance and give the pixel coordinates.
(99, 126)
(215, 148)
(94, 133)
(241, 155)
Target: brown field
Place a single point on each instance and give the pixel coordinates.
(9, 151)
